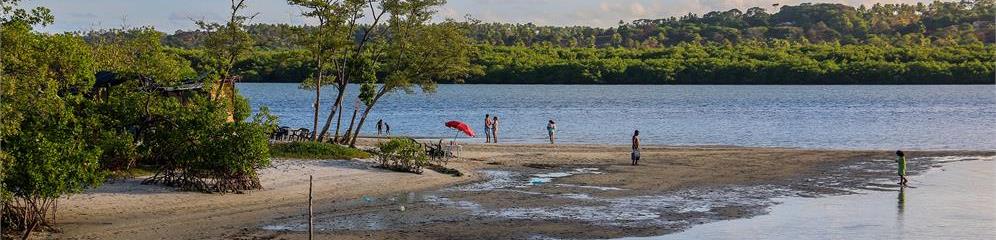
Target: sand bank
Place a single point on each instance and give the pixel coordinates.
(518, 191)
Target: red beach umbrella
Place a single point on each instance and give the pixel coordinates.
(461, 126)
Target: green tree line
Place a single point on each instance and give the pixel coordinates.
(935, 43)
(777, 62)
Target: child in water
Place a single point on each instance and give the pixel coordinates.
(901, 160)
(551, 130)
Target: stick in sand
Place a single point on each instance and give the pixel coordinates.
(311, 228)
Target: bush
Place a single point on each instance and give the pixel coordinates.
(196, 149)
(44, 156)
(316, 150)
(402, 154)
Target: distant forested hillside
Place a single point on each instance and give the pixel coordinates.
(935, 43)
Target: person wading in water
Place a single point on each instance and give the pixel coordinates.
(551, 130)
(901, 161)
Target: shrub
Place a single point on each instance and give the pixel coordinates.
(196, 149)
(44, 156)
(316, 150)
(402, 154)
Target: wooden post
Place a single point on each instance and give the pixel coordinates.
(311, 217)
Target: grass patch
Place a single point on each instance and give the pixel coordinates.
(315, 150)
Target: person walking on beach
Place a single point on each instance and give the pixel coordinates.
(487, 128)
(494, 128)
(380, 126)
(901, 161)
(551, 129)
(635, 156)
(387, 129)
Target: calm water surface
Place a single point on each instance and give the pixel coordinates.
(844, 117)
(956, 202)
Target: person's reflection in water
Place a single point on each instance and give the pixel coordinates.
(901, 205)
(900, 208)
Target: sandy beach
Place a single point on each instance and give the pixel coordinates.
(497, 197)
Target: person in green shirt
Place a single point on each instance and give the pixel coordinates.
(901, 160)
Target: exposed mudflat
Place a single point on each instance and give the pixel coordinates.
(521, 195)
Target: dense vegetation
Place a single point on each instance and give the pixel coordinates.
(936, 43)
(315, 150)
(63, 127)
(748, 63)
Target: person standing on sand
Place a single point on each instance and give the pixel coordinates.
(635, 156)
(901, 161)
(551, 129)
(387, 129)
(380, 126)
(487, 128)
(494, 128)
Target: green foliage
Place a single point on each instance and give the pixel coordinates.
(748, 63)
(316, 150)
(196, 149)
(44, 155)
(413, 53)
(402, 154)
(241, 109)
(268, 121)
(367, 92)
(940, 23)
(60, 131)
(138, 52)
(944, 35)
(228, 43)
(10, 14)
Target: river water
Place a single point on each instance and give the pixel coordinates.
(839, 117)
(954, 202)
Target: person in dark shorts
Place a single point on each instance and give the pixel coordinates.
(635, 156)
(494, 128)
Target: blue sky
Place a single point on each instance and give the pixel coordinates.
(170, 15)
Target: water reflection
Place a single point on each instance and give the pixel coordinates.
(901, 204)
(900, 209)
(956, 202)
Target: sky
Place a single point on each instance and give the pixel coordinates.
(171, 15)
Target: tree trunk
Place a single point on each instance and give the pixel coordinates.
(349, 131)
(363, 118)
(318, 96)
(338, 123)
(335, 107)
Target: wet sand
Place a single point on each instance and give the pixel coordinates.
(510, 191)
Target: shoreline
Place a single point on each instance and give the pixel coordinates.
(369, 140)
(118, 210)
